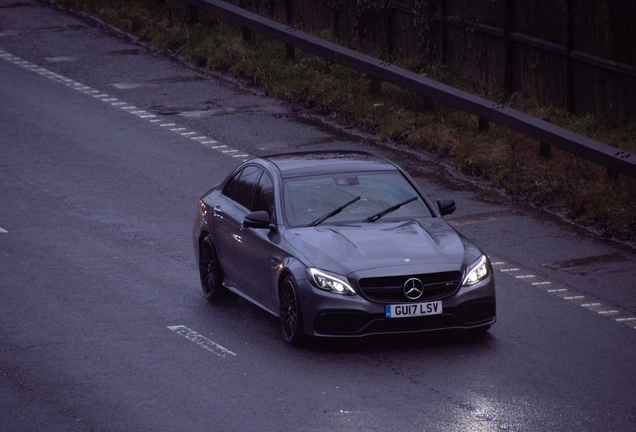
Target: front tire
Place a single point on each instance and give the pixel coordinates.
(291, 315)
(210, 271)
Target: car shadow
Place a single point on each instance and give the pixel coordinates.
(433, 341)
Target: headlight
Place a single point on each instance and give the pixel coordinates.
(329, 282)
(476, 272)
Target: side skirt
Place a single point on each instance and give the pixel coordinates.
(232, 287)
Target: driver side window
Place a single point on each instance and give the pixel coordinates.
(264, 195)
(241, 187)
(230, 187)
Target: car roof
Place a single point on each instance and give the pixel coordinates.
(327, 162)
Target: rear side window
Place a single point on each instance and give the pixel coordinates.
(241, 187)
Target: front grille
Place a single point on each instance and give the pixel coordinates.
(415, 324)
(355, 323)
(391, 289)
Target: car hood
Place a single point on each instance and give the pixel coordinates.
(353, 248)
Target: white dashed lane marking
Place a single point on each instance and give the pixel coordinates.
(563, 293)
(202, 341)
(3, 231)
(104, 97)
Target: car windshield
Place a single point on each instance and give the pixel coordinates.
(308, 199)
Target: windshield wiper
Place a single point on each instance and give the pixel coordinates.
(377, 216)
(321, 219)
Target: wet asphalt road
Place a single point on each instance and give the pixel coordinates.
(104, 150)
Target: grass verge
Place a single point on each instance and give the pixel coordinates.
(578, 189)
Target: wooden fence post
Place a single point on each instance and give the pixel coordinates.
(336, 23)
(442, 33)
(427, 104)
(376, 86)
(484, 125)
(507, 54)
(612, 175)
(290, 52)
(567, 73)
(247, 35)
(289, 11)
(194, 15)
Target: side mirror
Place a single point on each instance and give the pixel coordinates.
(446, 207)
(258, 219)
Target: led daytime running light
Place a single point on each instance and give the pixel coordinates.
(477, 272)
(330, 283)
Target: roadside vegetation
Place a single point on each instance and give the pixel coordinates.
(577, 189)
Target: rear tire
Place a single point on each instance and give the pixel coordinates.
(291, 315)
(210, 271)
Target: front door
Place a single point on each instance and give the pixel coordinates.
(245, 252)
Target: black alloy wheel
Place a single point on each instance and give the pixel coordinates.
(291, 316)
(210, 272)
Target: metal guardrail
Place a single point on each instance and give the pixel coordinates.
(615, 160)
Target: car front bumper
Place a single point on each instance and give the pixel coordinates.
(333, 315)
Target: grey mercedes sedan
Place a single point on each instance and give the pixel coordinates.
(340, 244)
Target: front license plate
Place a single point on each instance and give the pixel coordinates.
(411, 310)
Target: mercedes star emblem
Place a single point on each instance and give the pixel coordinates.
(413, 288)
